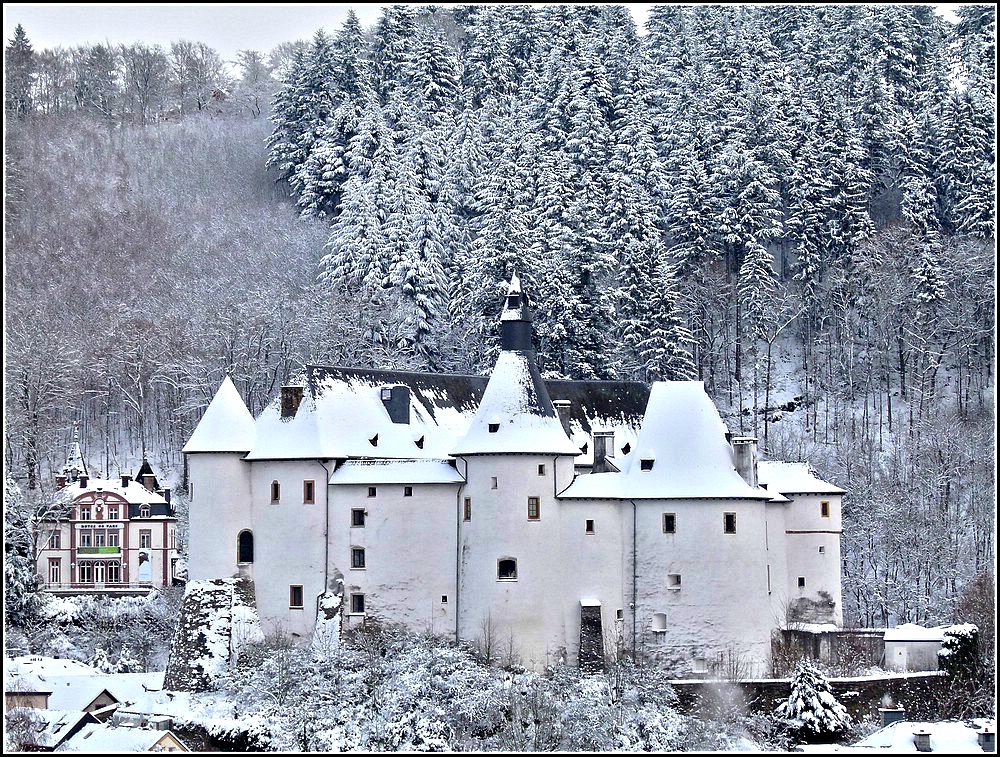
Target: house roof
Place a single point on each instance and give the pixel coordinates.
(951, 736)
(226, 426)
(77, 692)
(99, 738)
(793, 478)
(684, 437)
(55, 726)
(913, 632)
(50, 666)
(396, 472)
(134, 493)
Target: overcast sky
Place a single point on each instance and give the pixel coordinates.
(225, 27)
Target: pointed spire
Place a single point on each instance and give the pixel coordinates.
(75, 464)
(226, 426)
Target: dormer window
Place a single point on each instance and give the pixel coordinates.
(646, 463)
(144, 511)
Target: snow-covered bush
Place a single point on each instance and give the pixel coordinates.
(811, 710)
(959, 650)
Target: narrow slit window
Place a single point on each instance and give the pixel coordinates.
(309, 492)
(372, 491)
(407, 491)
(729, 523)
(493, 482)
(275, 492)
(467, 509)
(669, 523)
(541, 469)
(590, 526)
(824, 508)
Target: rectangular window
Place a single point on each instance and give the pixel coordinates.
(674, 581)
(507, 569)
(669, 523)
(295, 600)
(407, 491)
(357, 604)
(55, 572)
(86, 538)
(55, 540)
(84, 513)
(99, 537)
(112, 512)
(493, 482)
(533, 508)
(145, 538)
(541, 469)
(444, 599)
(113, 537)
(309, 492)
(275, 492)
(824, 509)
(357, 517)
(357, 557)
(822, 550)
(590, 526)
(372, 491)
(467, 509)
(802, 582)
(768, 579)
(729, 525)
(646, 464)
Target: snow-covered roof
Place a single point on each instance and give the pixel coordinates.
(685, 440)
(55, 725)
(226, 426)
(396, 472)
(51, 666)
(950, 736)
(792, 478)
(515, 414)
(99, 738)
(135, 493)
(342, 411)
(913, 632)
(75, 692)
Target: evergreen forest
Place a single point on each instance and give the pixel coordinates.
(795, 204)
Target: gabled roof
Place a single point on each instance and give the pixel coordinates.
(99, 738)
(226, 426)
(792, 478)
(396, 472)
(134, 493)
(55, 726)
(77, 692)
(684, 441)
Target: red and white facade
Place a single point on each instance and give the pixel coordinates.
(107, 537)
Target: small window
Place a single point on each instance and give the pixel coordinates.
(55, 540)
(407, 491)
(467, 509)
(541, 469)
(729, 523)
(275, 492)
(674, 581)
(146, 539)
(444, 599)
(802, 582)
(646, 464)
(626, 449)
(295, 600)
(533, 508)
(144, 511)
(112, 512)
(494, 427)
(309, 492)
(768, 579)
(84, 513)
(590, 526)
(822, 550)
(824, 508)
(619, 614)
(507, 569)
(357, 557)
(357, 604)
(372, 491)
(493, 482)
(669, 523)
(358, 517)
(386, 394)
(659, 622)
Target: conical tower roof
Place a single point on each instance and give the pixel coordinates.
(516, 414)
(226, 426)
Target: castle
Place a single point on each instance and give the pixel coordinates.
(561, 520)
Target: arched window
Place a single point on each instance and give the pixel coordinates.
(144, 511)
(507, 569)
(244, 547)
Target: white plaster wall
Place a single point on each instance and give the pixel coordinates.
(777, 558)
(289, 542)
(807, 531)
(592, 569)
(528, 612)
(219, 509)
(410, 552)
(722, 610)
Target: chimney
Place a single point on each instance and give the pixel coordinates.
(922, 740)
(987, 740)
(891, 715)
(84, 478)
(147, 480)
(397, 403)
(166, 494)
(604, 447)
(291, 398)
(745, 457)
(126, 480)
(563, 410)
(60, 482)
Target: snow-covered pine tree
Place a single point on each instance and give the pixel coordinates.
(811, 710)
(19, 74)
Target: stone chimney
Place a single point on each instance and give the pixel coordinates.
(563, 410)
(84, 479)
(60, 482)
(891, 714)
(745, 458)
(987, 740)
(147, 480)
(922, 740)
(291, 398)
(126, 480)
(604, 447)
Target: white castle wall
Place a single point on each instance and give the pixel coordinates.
(219, 510)
(806, 532)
